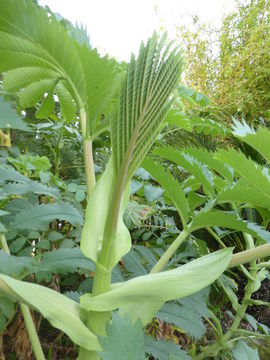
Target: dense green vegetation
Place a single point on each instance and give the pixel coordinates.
(134, 207)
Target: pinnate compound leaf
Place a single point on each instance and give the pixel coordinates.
(230, 221)
(191, 164)
(243, 351)
(258, 140)
(62, 312)
(124, 340)
(180, 282)
(37, 215)
(164, 350)
(171, 186)
(256, 175)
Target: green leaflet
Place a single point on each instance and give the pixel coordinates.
(191, 164)
(256, 175)
(124, 340)
(228, 220)
(97, 212)
(9, 118)
(258, 140)
(156, 289)
(171, 185)
(62, 312)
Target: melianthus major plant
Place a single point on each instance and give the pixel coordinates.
(39, 59)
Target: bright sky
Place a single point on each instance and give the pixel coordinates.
(118, 26)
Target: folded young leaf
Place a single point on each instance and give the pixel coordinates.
(96, 214)
(62, 312)
(161, 287)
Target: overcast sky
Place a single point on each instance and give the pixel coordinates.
(118, 26)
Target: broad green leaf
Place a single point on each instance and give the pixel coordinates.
(191, 164)
(63, 261)
(9, 118)
(67, 103)
(62, 312)
(9, 174)
(258, 140)
(243, 351)
(95, 218)
(124, 340)
(163, 350)
(161, 287)
(7, 309)
(37, 215)
(228, 220)
(30, 186)
(171, 186)
(256, 175)
(34, 92)
(17, 79)
(16, 266)
(189, 321)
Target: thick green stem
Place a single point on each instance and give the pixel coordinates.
(96, 321)
(29, 324)
(170, 252)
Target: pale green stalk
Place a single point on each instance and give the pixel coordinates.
(29, 324)
(170, 251)
(88, 154)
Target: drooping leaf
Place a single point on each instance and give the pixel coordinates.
(39, 215)
(174, 283)
(67, 103)
(161, 349)
(124, 340)
(9, 118)
(62, 312)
